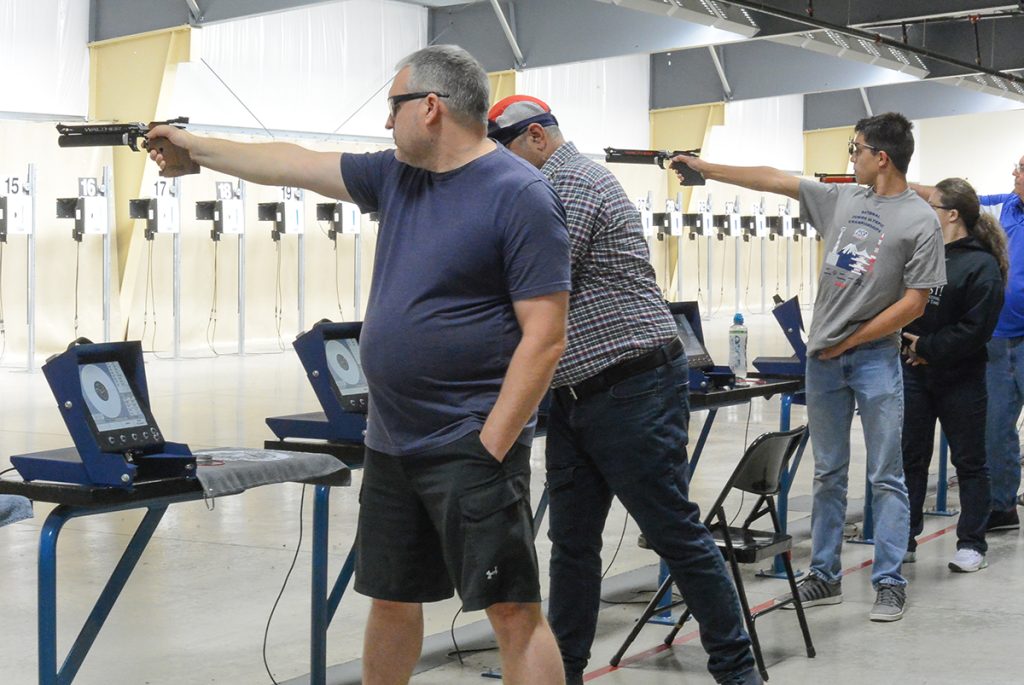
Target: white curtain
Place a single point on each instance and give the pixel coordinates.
(309, 69)
(44, 57)
(600, 103)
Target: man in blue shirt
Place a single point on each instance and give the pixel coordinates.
(1005, 372)
(465, 323)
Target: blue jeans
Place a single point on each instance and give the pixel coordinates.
(1005, 379)
(870, 376)
(629, 441)
(957, 399)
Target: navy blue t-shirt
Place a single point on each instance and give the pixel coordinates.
(454, 251)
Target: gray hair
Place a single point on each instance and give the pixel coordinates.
(450, 69)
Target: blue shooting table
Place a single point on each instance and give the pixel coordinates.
(77, 501)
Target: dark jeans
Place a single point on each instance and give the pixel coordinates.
(958, 400)
(630, 442)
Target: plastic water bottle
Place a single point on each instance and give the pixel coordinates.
(738, 346)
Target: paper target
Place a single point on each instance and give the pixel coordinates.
(99, 390)
(342, 362)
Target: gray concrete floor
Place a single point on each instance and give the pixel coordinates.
(196, 608)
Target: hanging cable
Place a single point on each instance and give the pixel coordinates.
(278, 299)
(78, 261)
(337, 279)
(211, 322)
(298, 546)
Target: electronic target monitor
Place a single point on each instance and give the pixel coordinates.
(687, 318)
(117, 418)
(347, 377)
(103, 398)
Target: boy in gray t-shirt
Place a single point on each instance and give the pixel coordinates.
(884, 253)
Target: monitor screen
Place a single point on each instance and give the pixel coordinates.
(347, 373)
(119, 419)
(696, 354)
(110, 399)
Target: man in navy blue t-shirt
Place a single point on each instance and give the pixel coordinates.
(465, 324)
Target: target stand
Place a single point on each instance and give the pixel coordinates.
(329, 353)
(103, 398)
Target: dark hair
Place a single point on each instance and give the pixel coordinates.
(450, 69)
(958, 194)
(889, 132)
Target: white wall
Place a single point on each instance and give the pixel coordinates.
(308, 69)
(981, 148)
(600, 103)
(44, 59)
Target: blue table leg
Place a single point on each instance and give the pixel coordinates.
(47, 591)
(704, 431)
(341, 584)
(942, 488)
(319, 599)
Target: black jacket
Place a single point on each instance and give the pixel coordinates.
(961, 315)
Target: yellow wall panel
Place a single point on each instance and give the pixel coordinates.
(503, 84)
(825, 150)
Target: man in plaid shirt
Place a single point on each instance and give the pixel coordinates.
(619, 412)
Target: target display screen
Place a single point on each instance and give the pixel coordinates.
(347, 373)
(119, 420)
(696, 354)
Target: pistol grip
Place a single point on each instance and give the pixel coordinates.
(177, 160)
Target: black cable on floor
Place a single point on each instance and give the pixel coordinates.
(295, 558)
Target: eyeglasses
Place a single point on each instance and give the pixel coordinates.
(854, 148)
(1018, 168)
(395, 100)
(948, 209)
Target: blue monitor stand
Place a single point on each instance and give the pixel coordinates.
(103, 398)
(329, 353)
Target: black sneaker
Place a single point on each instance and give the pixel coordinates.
(1003, 520)
(889, 603)
(814, 591)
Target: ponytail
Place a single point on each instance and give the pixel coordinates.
(958, 194)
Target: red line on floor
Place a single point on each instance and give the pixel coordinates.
(689, 637)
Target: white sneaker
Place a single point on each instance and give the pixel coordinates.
(967, 560)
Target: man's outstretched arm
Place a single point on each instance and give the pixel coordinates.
(271, 164)
(763, 178)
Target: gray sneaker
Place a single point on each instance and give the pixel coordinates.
(909, 557)
(814, 591)
(889, 603)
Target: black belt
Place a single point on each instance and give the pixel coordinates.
(627, 369)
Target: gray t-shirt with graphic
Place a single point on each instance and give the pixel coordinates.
(876, 247)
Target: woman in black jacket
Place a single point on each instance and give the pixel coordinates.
(945, 373)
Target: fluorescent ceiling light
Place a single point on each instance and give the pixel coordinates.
(990, 85)
(706, 12)
(858, 49)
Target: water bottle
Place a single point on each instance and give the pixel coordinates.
(738, 346)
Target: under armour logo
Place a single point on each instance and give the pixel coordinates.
(493, 572)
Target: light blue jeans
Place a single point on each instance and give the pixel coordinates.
(871, 377)
(1005, 380)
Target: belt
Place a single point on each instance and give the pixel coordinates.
(627, 369)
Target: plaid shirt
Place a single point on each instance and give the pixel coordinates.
(616, 311)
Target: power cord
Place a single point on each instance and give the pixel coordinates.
(78, 261)
(278, 299)
(211, 322)
(295, 558)
(8, 470)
